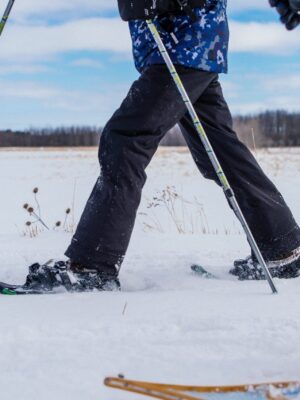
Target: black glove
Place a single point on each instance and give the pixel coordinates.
(289, 11)
(295, 5)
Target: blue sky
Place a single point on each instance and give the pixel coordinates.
(69, 62)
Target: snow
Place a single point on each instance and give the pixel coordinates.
(167, 324)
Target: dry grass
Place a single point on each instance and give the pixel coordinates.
(188, 217)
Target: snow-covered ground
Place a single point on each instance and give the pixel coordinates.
(166, 325)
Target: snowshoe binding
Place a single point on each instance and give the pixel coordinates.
(60, 276)
(285, 268)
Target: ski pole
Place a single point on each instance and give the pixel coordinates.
(210, 152)
(6, 15)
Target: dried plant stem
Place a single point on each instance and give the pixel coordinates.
(39, 219)
(253, 138)
(37, 204)
(65, 221)
(73, 205)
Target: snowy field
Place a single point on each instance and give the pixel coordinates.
(166, 325)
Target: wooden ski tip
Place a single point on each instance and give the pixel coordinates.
(269, 390)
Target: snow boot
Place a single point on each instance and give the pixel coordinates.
(284, 268)
(242, 263)
(63, 276)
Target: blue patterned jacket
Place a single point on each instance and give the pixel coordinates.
(201, 45)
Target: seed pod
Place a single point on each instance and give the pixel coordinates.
(68, 210)
(26, 205)
(30, 210)
(58, 223)
(35, 190)
(28, 223)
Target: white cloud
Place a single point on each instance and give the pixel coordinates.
(23, 42)
(101, 100)
(27, 8)
(24, 69)
(266, 92)
(243, 5)
(267, 38)
(28, 90)
(291, 82)
(87, 62)
(288, 103)
(44, 9)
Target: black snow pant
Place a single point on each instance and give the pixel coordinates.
(129, 141)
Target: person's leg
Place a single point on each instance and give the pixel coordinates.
(128, 142)
(264, 208)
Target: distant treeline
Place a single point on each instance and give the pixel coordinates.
(268, 129)
(51, 137)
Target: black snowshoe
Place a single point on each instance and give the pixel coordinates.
(56, 277)
(250, 269)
